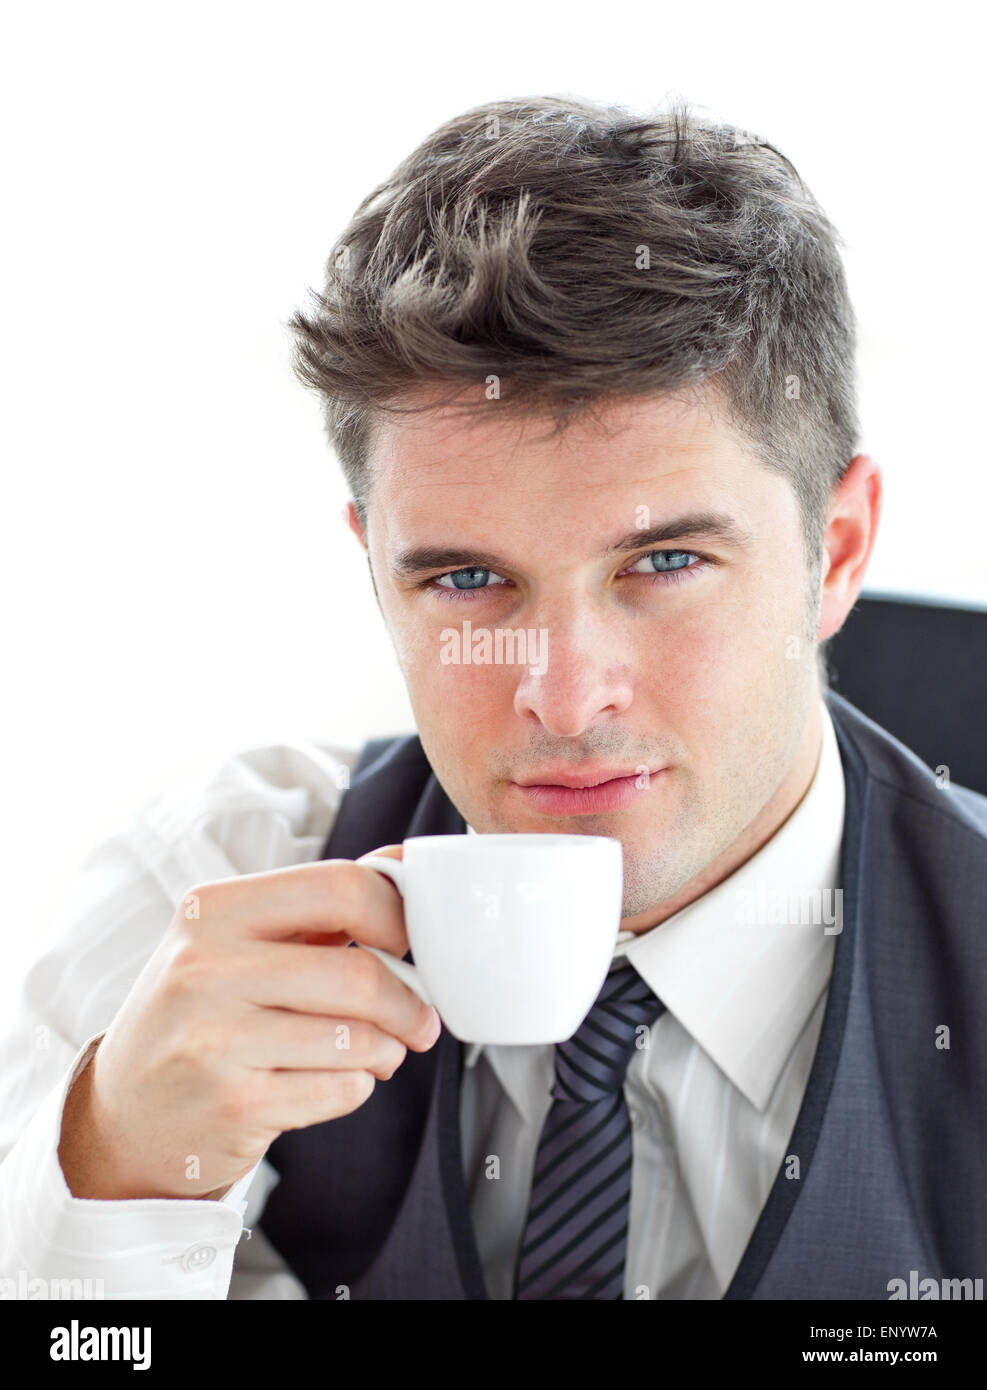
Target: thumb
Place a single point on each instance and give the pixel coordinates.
(388, 851)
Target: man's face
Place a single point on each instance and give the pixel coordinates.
(687, 662)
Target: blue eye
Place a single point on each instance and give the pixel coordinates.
(465, 582)
(653, 556)
(661, 567)
(674, 573)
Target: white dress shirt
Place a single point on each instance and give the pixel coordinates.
(713, 1101)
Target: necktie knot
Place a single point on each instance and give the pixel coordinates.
(592, 1063)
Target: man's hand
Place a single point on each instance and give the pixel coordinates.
(253, 1016)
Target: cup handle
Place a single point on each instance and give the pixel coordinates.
(394, 870)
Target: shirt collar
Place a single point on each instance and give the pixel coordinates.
(742, 967)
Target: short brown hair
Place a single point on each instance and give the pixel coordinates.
(576, 252)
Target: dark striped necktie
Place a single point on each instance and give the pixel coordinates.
(575, 1238)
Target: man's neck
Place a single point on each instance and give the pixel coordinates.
(765, 824)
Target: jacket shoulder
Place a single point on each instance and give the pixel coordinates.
(900, 772)
(382, 756)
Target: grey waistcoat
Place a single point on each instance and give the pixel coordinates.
(891, 1138)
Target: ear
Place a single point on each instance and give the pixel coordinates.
(350, 517)
(854, 514)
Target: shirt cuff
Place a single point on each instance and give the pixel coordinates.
(136, 1248)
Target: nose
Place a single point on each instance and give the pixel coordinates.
(582, 678)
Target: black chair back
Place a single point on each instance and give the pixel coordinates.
(919, 668)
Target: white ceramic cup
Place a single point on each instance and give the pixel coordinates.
(512, 935)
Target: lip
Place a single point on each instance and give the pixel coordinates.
(611, 794)
(579, 780)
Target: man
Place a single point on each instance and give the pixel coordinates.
(802, 902)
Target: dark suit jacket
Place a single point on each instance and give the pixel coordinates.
(892, 1133)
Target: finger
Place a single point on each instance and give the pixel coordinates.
(319, 938)
(297, 1099)
(335, 896)
(390, 851)
(337, 981)
(283, 1039)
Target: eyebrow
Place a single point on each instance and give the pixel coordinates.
(713, 526)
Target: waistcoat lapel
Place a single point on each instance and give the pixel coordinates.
(749, 1278)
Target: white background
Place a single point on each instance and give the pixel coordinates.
(177, 577)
